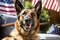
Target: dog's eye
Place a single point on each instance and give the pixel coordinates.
(32, 14)
(24, 13)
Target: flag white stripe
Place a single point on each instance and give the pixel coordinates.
(5, 6)
(33, 2)
(7, 12)
(47, 4)
(1, 3)
(54, 4)
(36, 2)
(10, 13)
(58, 9)
(50, 4)
(44, 3)
(2, 8)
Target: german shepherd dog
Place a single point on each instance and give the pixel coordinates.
(27, 23)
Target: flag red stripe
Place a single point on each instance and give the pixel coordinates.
(7, 6)
(34, 1)
(49, 3)
(45, 3)
(57, 7)
(52, 4)
(7, 10)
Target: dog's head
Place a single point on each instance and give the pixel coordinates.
(28, 18)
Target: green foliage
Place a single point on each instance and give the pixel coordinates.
(28, 5)
(44, 28)
(44, 16)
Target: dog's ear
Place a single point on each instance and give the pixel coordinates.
(38, 8)
(18, 6)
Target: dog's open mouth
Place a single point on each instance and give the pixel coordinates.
(27, 24)
(27, 27)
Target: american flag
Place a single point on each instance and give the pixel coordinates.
(54, 29)
(34, 2)
(7, 7)
(49, 4)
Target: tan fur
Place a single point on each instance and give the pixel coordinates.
(18, 32)
(24, 35)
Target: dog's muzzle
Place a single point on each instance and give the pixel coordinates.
(28, 23)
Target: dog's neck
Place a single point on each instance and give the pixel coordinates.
(26, 37)
(29, 37)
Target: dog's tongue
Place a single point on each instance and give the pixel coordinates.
(28, 26)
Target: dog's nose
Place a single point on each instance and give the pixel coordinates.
(27, 20)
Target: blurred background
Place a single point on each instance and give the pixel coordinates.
(49, 18)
